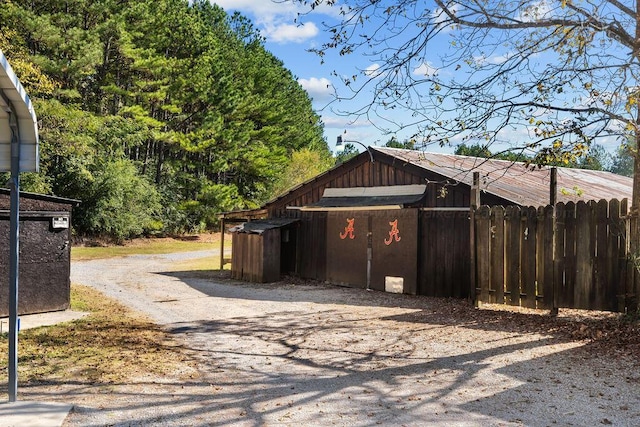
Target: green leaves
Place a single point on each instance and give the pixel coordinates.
(156, 100)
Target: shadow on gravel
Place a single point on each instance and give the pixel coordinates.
(604, 330)
(324, 368)
(370, 358)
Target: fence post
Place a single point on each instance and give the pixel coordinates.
(474, 200)
(221, 242)
(553, 200)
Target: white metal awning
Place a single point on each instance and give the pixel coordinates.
(369, 198)
(13, 98)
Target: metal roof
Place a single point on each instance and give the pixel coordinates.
(14, 100)
(43, 197)
(515, 181)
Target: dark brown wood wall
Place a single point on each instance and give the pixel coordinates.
(312, 245)
(392, 237)
(359, 172)
(256, 256)
(384, 171)
(444, 264)
(44, 269)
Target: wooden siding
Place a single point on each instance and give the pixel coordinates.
(384, 171)
(444, 261)
(45, 263)
(312, 245)
(256, 256)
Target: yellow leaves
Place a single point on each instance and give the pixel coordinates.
(632, 101)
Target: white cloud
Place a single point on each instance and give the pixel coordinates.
(337, 122)
(259, 8)
(425, 69)
(372, 71)
(284, 33)
(441, 19)
(276, 19)
(493, 59)
(536, 12)
(318, 88)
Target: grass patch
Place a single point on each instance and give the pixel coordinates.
(150, 246)
(201, 264)
(111, 344)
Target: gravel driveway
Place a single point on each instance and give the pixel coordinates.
(300, 354)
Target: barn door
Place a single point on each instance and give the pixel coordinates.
(347, 247)
(394, 266)
(376, 248)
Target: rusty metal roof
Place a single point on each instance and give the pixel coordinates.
(514, 181)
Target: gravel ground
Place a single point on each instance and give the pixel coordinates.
(310, 354)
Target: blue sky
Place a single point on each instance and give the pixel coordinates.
(289, 41)
(290, 31)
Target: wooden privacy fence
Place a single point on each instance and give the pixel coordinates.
(576, 258)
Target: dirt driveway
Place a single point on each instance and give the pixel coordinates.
(298, 354)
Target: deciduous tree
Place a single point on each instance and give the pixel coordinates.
(563, 73)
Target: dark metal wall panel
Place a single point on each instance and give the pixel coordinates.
(395, 248)
(347, 248)
(45, 254)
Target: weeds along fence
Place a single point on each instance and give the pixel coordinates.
(574, 257)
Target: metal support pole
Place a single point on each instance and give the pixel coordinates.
(369, 251)
(474, 202)
(221, 242)
(14, 232)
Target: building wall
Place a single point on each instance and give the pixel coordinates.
(388, 239)
(256, 256)
(45, 256)
(384, 171)
(44, 268)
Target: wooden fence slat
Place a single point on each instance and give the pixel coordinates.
(616, 260)
(545, 255)
(483, 253)
(512, 254)
(604, 298)
(528, 256)
(497, 255)
(583, 257)
(559, 260)
(567, 297)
